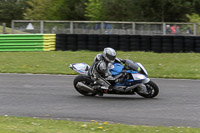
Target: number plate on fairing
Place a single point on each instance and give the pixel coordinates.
(138, 76)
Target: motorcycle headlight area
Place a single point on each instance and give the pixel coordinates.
(138, 76)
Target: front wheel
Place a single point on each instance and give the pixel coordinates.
(152, 90)
(85, 81)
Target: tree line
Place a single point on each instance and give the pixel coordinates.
(103, 10)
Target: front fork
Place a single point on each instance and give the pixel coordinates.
(142, 87)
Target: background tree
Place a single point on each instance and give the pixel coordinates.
(10, 10)
(119, 10)
(142, 10)
(94, 10)
(106, 10)
(55, 10)
(194, 18)
(195, 6)
(37, 10)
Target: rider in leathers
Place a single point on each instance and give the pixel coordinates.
(100, 69)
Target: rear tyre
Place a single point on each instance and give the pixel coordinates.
(152, 89)
(86, 81)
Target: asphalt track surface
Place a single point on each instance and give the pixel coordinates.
(53, 96)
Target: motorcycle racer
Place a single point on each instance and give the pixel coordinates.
(100, 69)
(111, 75)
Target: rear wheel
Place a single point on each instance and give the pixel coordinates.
(82, 79)
(152, 90)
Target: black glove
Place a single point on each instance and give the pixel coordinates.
(123, 61)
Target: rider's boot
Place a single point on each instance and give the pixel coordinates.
(99, 90)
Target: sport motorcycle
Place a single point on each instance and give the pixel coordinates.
(128, 81)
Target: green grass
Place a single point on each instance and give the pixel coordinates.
(165, 65)
(9, 31)
(36, 125)
(158, 65)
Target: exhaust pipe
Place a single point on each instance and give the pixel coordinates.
(84, 87)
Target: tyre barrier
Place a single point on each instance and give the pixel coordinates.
(94, 42)
(27, 42)
(124, 42)
(197, 44)
(158, 43)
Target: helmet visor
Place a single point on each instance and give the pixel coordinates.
(110, 57)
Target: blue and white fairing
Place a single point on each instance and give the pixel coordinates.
(117, 68)
(137, 78)
(81, 68)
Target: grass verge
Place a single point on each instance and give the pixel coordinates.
(9, 31)
(164, 65)
(35, 125)
(158, 65)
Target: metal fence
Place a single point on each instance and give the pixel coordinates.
(105, 27)
(3, 28)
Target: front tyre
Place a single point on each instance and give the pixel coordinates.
(83, 79)
(152, 90)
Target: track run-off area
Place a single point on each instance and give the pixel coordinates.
(53, 96)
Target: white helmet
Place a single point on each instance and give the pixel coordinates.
(109, 54)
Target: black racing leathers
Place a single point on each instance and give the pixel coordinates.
(100, 71)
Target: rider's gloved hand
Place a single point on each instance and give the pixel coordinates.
(122, 60)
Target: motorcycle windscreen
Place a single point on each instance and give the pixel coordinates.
(142, 67)
(81, 68)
